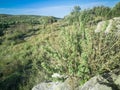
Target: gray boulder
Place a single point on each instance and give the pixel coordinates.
(112, 25)
(100, 26)
(69, 84)
(105, 82)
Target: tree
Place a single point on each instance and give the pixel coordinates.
(75, 14)
(116, 10)
(76, 9)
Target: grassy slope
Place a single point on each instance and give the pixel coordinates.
(18, 48)
(42, 51)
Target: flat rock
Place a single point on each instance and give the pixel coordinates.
(69, 84)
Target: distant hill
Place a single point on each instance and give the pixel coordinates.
(27, 19)
(7, 20)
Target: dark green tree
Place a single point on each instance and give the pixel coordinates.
(116, 10)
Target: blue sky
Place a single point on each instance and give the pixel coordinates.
(58, 8)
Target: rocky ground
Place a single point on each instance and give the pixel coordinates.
(107, 81)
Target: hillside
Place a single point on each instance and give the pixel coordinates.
(32, 48)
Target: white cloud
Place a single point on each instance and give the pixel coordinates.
(58, 11)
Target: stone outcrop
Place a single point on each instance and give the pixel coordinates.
(108, 26)
(107, 81)
(100, 26)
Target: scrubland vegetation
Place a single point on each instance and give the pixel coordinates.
(32, 48)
